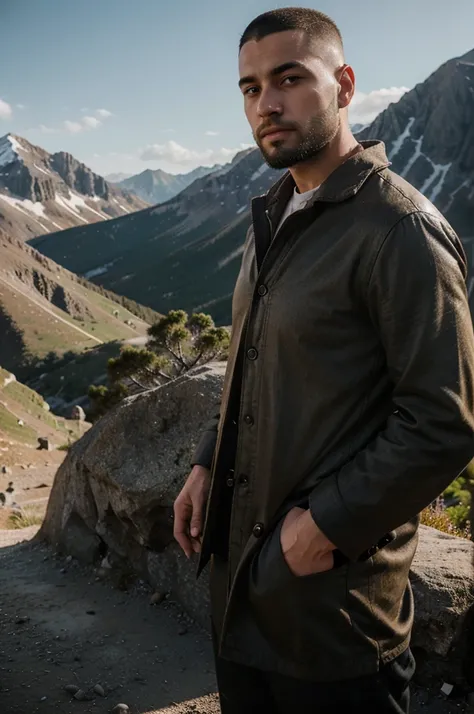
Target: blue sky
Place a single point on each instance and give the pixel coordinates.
(126, 85)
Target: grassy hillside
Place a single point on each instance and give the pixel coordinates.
(46, 310)
(24, 415)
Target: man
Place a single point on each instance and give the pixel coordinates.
(347, 405)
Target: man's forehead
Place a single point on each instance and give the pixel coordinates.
(261, 56)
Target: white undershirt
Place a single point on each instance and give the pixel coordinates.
(296, 203)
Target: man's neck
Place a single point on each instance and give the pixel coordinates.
(312, 173)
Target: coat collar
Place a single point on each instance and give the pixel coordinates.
(343, 183)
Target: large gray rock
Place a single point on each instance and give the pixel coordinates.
(114, 496)
(119, 482)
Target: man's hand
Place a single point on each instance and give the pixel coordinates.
(305, 548)
(189, 510)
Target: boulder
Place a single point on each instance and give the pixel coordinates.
(119, 482)
(44, 443)
(113, 497)
(78, 413)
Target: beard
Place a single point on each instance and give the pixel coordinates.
(315, 137)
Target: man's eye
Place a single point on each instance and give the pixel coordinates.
(251, 90)
(291, 79)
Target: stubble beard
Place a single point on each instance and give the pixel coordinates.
(319, 133)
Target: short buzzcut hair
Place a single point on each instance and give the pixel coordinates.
(315, 24)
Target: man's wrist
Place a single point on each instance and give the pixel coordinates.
(311, 530)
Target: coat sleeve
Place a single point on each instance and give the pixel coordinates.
(418, 304)
(204, 451)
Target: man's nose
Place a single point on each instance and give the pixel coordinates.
(269, 102)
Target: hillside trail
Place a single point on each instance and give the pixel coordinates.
(60, 624)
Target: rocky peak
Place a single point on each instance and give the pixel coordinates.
(429, 135)
(78, 176)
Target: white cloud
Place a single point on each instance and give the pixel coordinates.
(104, 113)
(46, 129)
(180, 155)
(5, 110)
(212, 133)
(365, 107)
(73, 127)
(91, 122)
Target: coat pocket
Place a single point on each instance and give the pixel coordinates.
(300, 616)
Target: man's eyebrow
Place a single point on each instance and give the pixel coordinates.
(250, 79)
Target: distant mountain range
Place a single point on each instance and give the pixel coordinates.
(186, 252)
(159, 186)
(42, 192)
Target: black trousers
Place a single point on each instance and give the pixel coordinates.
(244, 690)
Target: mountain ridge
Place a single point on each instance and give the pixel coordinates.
(42, 192)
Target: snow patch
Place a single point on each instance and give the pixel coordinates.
(398, 143)
(465, 184)
(24, 204)
(241, 209)
(43, 171)
(64, 204)
(7, 155)
(440, 171)
(123, 208)
(231, 256)
(259, 172)
(416, 154)
(100, 270)
(16, 146)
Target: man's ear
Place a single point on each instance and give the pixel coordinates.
(346, 80)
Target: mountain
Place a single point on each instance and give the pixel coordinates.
(181, 253)
(186, 252)
(429, 135)
(116, 178)
(159, 186)
(46, 311)
(42, 192)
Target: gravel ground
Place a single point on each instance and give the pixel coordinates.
(61, 625)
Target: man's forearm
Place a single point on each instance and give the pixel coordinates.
(418, 303)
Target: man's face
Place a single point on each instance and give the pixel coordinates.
(287, 86)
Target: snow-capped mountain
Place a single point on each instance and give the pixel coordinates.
(42, 192)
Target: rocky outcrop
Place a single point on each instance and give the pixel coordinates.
(78, 177)
(112, 504)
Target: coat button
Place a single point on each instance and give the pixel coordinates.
(252, 353)
(248, 419)
(230, 482)
(243, 480)
(262, 290)
(257, 530)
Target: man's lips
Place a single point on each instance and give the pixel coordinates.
(274, 133)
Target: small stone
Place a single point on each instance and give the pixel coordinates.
(43, 699)
(183, 631)
(71, 688)
(98, 689)
(21, 620)
(121, 709)
(6, 470)
(69, 559)
(80, 695)
(157, 598)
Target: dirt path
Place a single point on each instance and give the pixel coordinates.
(61, 625)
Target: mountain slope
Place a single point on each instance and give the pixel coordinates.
(45, 309)
(186, 252)
(159, 186)
(42, 192)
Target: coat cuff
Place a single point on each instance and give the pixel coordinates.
(332, 517)
(204, 451)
